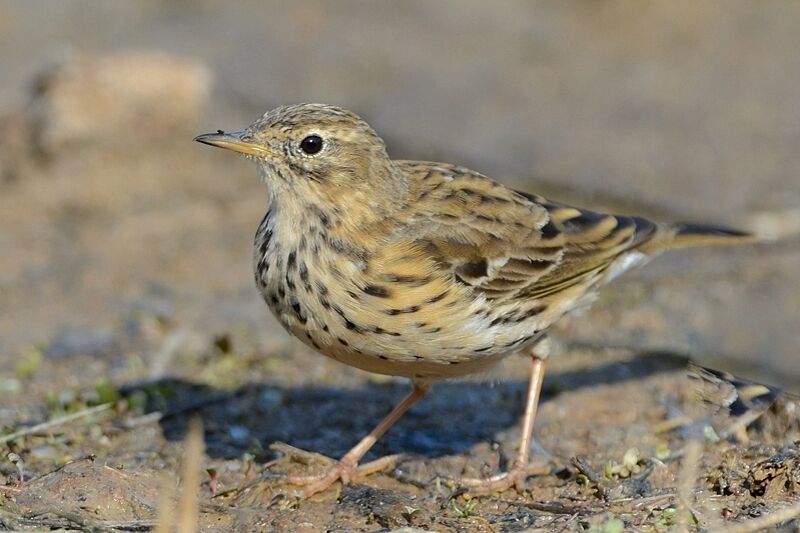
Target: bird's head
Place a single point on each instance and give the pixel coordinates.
(321, 154)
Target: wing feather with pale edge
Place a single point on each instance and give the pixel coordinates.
(509, 244)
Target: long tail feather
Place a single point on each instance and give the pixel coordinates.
(688, 234)
(685, 235)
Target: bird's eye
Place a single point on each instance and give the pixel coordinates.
(311, 144)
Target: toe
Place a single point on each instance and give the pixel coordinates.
(344, 471)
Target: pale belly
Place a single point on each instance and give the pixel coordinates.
(433, 342)
(439, 340)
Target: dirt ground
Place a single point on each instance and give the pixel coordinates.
(622, 441)
(127, 308)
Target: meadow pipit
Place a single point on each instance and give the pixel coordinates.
(424, 270)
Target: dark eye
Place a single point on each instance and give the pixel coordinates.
(311, 144)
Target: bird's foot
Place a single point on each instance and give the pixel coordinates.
(341, 471)
(515, 477)
(344, 470)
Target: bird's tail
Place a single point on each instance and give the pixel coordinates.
(686, 234)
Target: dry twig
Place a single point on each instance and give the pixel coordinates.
(38, 428)
(586, 469)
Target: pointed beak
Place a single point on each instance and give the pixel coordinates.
(234, 141)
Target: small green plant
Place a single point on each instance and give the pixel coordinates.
(463, 512)
(668, 518)
(612, 525)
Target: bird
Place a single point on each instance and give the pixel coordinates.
(423, 270)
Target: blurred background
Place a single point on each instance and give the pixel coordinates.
(121, 238)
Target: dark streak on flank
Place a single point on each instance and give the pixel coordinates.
(376, 290)
(533, 311)
(347, 249)
(304, 277)
(405, 310)
(324, 220)
(437, 298)
(522, 340)
(413, 281)
(312, 341)
(298, 310)
(347, 322)
(323, 217)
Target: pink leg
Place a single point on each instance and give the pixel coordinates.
(519, 470)
(347, 467)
